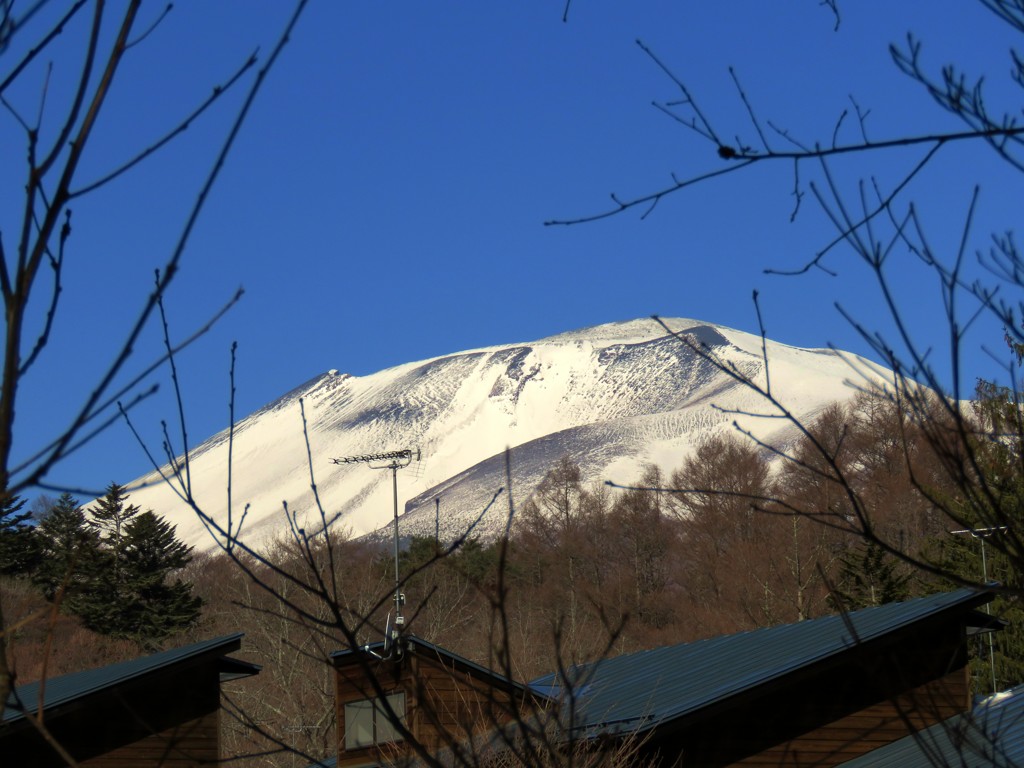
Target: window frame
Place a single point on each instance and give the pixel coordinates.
(380, 728)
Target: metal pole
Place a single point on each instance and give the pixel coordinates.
(393, 460)
(980, 534)
(398, 579)
(988, 610)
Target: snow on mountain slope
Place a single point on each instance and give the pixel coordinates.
(613, 397)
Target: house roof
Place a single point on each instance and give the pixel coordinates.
(67, 690)
(636, 692)
(412, 642)
(992, 734)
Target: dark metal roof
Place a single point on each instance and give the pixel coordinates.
(66, 689)
(235, 669)
(638, 691)
(340, 657)
(992, 734)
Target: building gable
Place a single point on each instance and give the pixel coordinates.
(161, 709)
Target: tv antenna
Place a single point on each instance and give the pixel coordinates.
(393, 460)
(981, 534)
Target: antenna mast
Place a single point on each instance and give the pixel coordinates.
(393, 460)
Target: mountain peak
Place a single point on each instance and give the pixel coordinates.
(614, 397)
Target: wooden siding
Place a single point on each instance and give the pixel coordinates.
(869, 728)
(351, 684)
(454, 705)
(445, 702)
(830, 715)
(194, 743)
(819, 714)
(146, 714)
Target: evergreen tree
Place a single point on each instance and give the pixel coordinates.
(147, 605)
(479, 563)
(972, 557)
(133, 595)
(991, 517)
(109, 516)
(19, 545)
(116, 568)
(69, 551)
(869, 576)
(107, 598)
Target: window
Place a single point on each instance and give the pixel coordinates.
(367, 722)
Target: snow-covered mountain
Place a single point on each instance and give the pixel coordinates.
(613, 397)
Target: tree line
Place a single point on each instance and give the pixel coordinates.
(113, 566)
(731, 540)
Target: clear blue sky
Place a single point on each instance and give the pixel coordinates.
(386, 198)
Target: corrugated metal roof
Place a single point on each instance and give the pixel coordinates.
(992, 734)
(637, 691)
(67, 688)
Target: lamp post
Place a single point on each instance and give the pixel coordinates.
(393, 460)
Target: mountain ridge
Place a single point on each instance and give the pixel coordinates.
(615, 397)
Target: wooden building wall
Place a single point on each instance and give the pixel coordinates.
(194, 743)
(173, 714)
(825, 716)
(820, 714)
(351, 684)
(454, 705)
(869, 728)
(445, 701)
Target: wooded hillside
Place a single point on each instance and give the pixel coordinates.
(731, 540)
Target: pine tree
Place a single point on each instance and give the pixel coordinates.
(19, 545)
(115, 568)
(107, 599)
(69, 551)
(973, 557)
(987, 545)
(136, 597)
(152, 606)
(109, 516)
(869, 576)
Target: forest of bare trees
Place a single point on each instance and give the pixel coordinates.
(859, 509)
(586, 571)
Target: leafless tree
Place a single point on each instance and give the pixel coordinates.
(33, 257)
(876, 223)
(963, 462)
(302, 590)
(307, 598)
